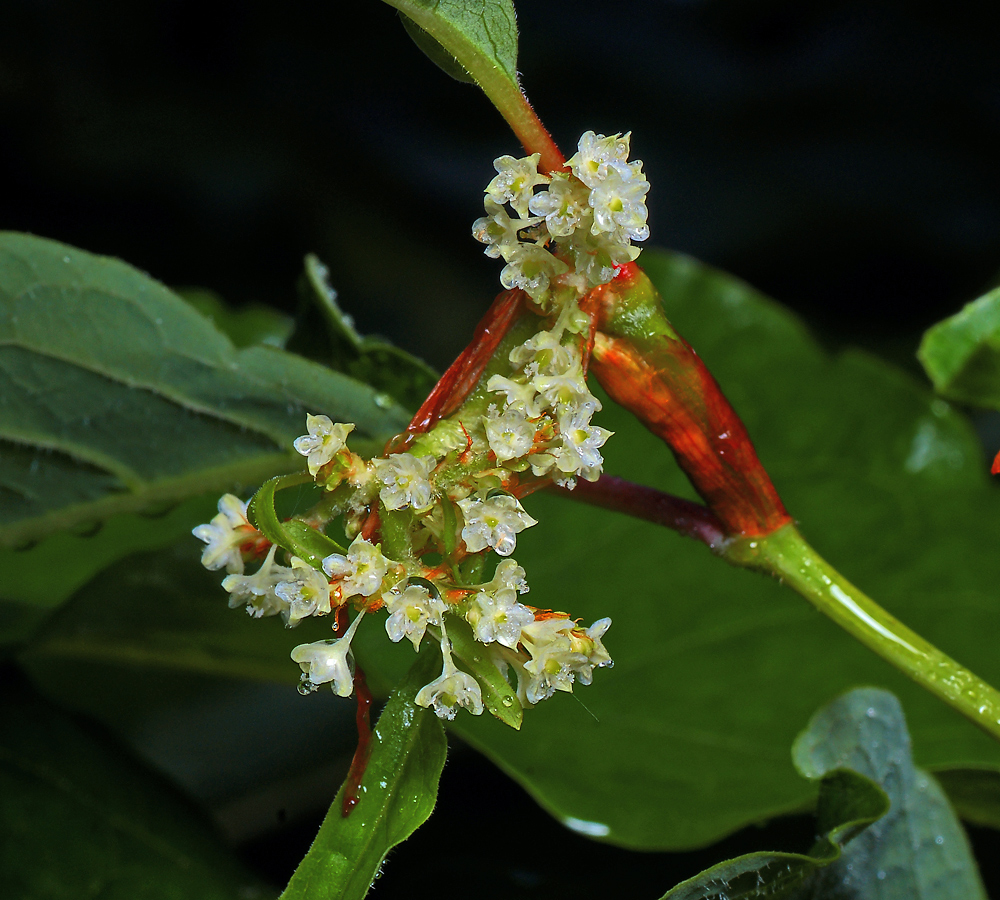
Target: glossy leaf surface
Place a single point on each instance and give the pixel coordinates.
(686, 738)
(119, 397)
(397, 795)
(81, 818)
(918, 850)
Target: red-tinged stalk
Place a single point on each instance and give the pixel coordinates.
(352, 784)
(645, 366)
(464, 373)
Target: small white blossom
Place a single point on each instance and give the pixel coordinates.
(497, 616)
(325, 662)
(452, 689)
(411, 610)
(515, 181)
(568, 392)
(619, 204)
(359, 572)
(594, 153)
(257, 590)
(519, 396)
(405, 480)
(224, 535)
(493, 523)
(324, 441)
(553, 659)
(499, 231)
(546, 351)
(591, 646)
(510, 576)
(563, 205)
(579, 453)
(531, 268)
(305, 593)
(510, 434)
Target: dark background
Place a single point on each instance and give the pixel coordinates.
(841, 156)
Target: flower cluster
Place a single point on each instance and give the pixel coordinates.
(577, 229)
(421, 520)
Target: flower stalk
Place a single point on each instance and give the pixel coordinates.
(786, 555)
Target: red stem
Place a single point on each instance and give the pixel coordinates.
(684, 516)
(352, 784)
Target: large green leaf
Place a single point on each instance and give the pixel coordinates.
(117, 396)
(397, 795)
(915, 850)
(80, 818)
(686, 738)
(962, 354)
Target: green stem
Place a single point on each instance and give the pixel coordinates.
(785, 554)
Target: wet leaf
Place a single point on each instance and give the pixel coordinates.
(246, 327)
(81, 818)
(398, 792)
(870, 849)
(686, 739)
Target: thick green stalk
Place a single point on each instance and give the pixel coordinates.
(787, 555)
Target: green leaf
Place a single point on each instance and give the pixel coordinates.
(480, 37)
(961, 355)
(686, 739)
(918, 851)
(81, 818)
(397, 796)
(246, 327)
(915, 848)
(119, 397)
(385, 367)
(975, 794)
(498, 696)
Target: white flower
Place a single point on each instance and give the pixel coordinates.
(563, 205)
(225, 534)
(361, 571)
(405, 480)
(579, 454)
(305, 593)
(510, 434)
(568, 392)
(618, 203)
(591, 646)
(515, 181)
(510, 576)
(531, 268)
(452, 689)
(497, 616)
(257, 591)
(560, 653)
(594, 153)
(519, 396)
(499, 231)
(324, 441)
(328, 661)
(546, 351)
(410, 612)
(493, 523)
